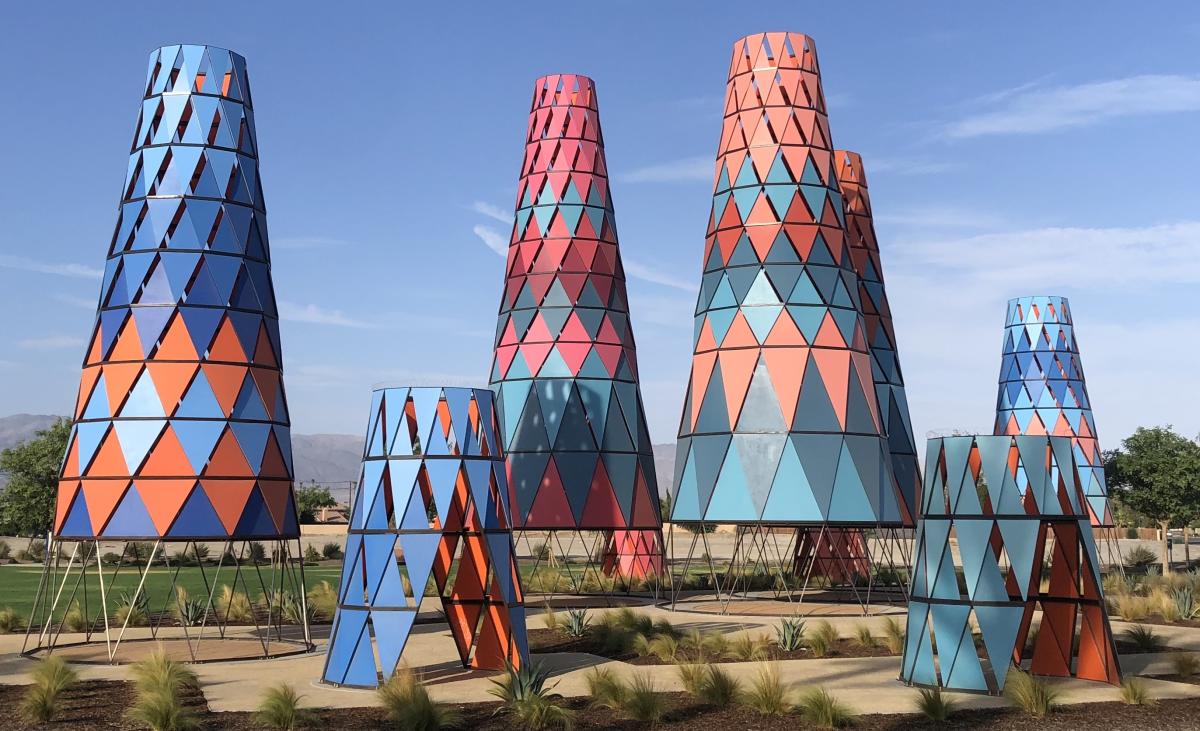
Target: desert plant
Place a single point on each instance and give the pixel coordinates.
(747, 649)
(820, 708)
(789, 634)
(934, 704)
(1140, 557)
(234, 606)
(37, 549)
(74, 619)
(1186, 664)
(540, 712)
(613, 640)
(160, 673)
(161, 710)
(1143, 638)
(550, 618)
(862, 637)
(132, 610)
(605, 688)
(257, 552)
(715, 643)
(643, 703)
(1135, 693)
(311, 554)
(664, 647)
(822, 639)
(547, 581)
(718, 687)
(189, 612)
(521, 683)
(5, 551)
(893, 635)
(408, 705)
(691, 674)
(51, 677)
(767, 693)
(577, 622)
(1184, 601)
(323, 600)
(332, 550)
(10, 621)
(280, 709)
(1030, 694)
(295, 611)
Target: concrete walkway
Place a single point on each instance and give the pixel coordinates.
(867, 685)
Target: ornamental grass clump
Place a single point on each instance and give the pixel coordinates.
(767, 694)
(642, 702)
(820, 708)
(1143, 638)
(822, 639)
(893, 635)
(10, 621)
(408, 705)
(934, 704)
(1030, 694)
(524, 694)
(1186, 664)
(748, 649)
(1135, 693)
(42, 700)
(160, 681)
(862, 637)
(280, 709)
(605, 688)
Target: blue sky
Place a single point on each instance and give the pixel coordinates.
(1011, 150)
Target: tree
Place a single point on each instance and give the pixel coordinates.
(1157, 473)
(310, 499)
(27, 504)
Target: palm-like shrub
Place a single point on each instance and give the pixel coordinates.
(747, 649)
(820, 708)
(1140, 557)
(642, 702)
(41, 702)
(1135, 693)
(10, 621)
(1030, 694)
(767, 694)
(408, 705)
(577, 622)
(280, 709)
(935, 705)
(1143, 638)
(789, 634)
(893, 635)
(822, 639)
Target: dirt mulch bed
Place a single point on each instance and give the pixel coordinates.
(549, 640)
(93, 705)
(685, 713)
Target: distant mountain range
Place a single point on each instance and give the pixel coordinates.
(324, 458)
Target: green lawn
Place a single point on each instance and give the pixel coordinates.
(19, 583)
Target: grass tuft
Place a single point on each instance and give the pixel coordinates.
(1143, 638)
(605, 688)
(719, 688)
(280, 709)
(748, 649)
(893, 635)
(409, 706)
(934, 704)
(41, 702)
(1135, 693)
(1186, 664)
(822, 709)
(767, 693)
(822, 639)
(862, 637)
(10, 621)
(643, 703)
(1030, 694)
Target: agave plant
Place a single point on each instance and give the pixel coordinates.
(789, 634)
(521, 684)
(189, 612)
(1184, 599)
(577, 622)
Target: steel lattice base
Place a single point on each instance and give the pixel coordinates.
(781, 562)
(89, 590)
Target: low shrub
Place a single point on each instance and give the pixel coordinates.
(1186, 664)
(1135, 693)
(332, 550)
(311, 554)
(822, 709)
(10, 621)
(789, 634)
(1140, 557)
(74, 619)
(280, 709)
(5, 551)
(893, 635)
(257, 552)
(1029, 693)
(408, 705)
(935, 705)
(1143, 638)
(822, 639)
(767, 694)
(37, 549)
(323, 600)
(42, 700)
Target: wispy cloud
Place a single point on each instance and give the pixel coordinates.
(492, 211)
(325, 375)
(83, 303)
(310, 313)
(655, 275)
(1032, 109)
(307, 242)
(908, 166)
(26, 264)
(492, 239)
(51, 342)
(685, 169)
(926, 217)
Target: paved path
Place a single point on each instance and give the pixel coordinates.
(868, 685)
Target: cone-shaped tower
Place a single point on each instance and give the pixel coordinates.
(181, 425)
(881, 335)
(565, 371)
(781, 423)
(181, 431)
(1043, 391)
